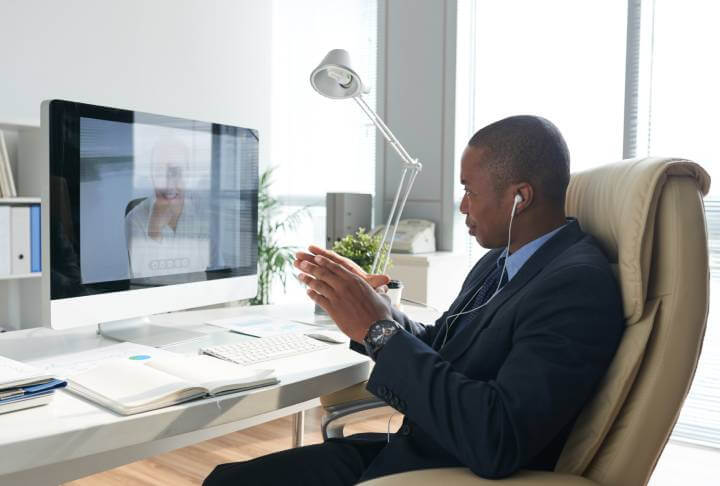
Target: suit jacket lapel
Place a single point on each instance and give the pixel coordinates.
(476, 277)
(545, 254)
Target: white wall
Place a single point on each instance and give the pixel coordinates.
(203, 59)
(207, 60)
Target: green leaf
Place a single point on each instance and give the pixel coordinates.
(361, 248)
(273, 260)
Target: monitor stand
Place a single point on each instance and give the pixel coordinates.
(141, 331)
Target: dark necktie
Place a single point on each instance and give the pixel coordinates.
(489, 286)
(487, 289)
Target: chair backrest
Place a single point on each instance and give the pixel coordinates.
(648, 215)
(131, 205)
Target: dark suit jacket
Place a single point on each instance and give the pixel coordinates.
(505, 390)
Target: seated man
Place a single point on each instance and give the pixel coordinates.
(497, 383)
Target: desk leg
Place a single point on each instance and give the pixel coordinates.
(298, 428)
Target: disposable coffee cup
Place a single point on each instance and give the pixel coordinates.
(395, 288)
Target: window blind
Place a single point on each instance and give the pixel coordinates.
(683, 106)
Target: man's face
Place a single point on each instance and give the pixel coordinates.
(169, 160)
(168, 182)
(485, 214)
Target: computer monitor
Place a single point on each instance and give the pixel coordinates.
(147, 214)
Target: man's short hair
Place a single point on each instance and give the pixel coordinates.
(527, 149)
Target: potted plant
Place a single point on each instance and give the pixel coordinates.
(361, 248)
(274, 260)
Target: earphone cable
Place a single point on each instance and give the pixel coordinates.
(497, 290)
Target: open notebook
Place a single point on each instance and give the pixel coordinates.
(129, 387)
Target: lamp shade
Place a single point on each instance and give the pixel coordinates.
(335, 78)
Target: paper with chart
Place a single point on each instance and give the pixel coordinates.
(65, 365)
(261, 326)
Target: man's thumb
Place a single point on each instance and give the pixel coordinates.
(376, 281)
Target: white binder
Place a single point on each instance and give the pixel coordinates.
(20, 240)
(5, 268)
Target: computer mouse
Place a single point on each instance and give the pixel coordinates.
(333, 337)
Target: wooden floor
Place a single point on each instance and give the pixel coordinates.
(679, 463)
(190, 465)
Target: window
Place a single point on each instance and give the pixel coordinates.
(319, 145)
(527, 57)
(566, 60)
(684, 103)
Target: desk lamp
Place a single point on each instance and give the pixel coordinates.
(335, 78)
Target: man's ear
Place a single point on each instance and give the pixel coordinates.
(526, 193)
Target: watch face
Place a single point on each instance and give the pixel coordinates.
(383, 329)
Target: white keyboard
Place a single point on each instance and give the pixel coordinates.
(257, 350)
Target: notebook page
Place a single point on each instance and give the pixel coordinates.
(129, 387)
(14, 373)
(216, 375)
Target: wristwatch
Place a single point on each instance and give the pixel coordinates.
(378, 335)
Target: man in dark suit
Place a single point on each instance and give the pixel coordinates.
(497, 383)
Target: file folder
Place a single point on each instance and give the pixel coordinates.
(35, 242)
(20, 240)
(5, 268)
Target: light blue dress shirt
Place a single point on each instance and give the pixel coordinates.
(516, 260)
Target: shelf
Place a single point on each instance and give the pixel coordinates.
(21, 276)
(20, 200)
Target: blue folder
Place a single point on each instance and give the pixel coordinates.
(35, 242)
(35, 390)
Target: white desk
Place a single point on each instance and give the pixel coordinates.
(72, 437)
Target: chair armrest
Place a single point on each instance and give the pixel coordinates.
(338, 416)
(349, 405)
(346, 395)
(459, 476)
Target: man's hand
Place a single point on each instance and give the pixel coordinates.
(377, 281)
(345, 295)
(165, 212)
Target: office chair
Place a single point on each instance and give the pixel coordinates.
(648, 215)
(131, 205)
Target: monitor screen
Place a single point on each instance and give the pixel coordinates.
(141, 200)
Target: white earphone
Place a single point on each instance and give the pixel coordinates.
(518, 199)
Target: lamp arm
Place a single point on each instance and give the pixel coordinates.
(388, 224)
(413, 174)
(383, 128)
(410, 164)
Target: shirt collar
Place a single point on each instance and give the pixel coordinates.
(516, 260)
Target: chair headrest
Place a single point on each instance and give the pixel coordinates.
(617, 203)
